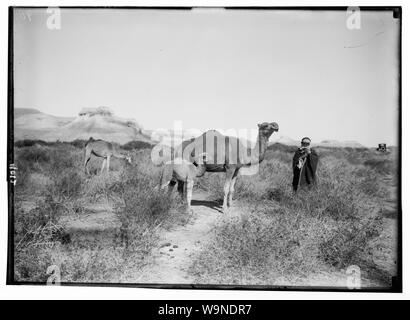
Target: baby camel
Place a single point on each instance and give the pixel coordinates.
(102, 149)
(184, 173)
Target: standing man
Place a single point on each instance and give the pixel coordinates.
(304, 165)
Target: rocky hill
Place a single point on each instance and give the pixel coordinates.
(99, 123)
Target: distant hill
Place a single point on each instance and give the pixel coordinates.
(99, 123)
(24, 111)
(339, 144)
(281, 139)
(287, 141)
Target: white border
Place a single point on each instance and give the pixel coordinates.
(44, 292)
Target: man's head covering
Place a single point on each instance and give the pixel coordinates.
(306, 140)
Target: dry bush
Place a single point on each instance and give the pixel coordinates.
(31, 263)
(42, 241)
(40, 225)
(136, 145)
(281, 237)
(140, 207)
(259, 248)
(30, 156)
(351, 242)
(36, 232)
(381, 166)
(89, 263)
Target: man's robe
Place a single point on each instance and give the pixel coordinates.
(307, 174)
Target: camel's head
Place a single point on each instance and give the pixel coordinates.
(268, 128)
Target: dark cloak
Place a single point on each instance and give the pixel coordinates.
(306, 175)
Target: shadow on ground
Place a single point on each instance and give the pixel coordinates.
(212, 204)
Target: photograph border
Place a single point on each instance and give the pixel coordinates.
(397, 281)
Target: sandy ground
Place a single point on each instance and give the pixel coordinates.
(174, 255)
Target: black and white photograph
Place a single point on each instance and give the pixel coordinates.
(205, 148)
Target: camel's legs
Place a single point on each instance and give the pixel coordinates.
(229, 174)
(161, 187)
(87, 158)
(103, 165)
(189, 186)
(232, 187)
(108, 163)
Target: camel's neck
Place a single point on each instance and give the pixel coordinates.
(259, 150)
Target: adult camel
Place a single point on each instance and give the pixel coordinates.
(228, 154)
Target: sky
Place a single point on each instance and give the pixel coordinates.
(305, 70)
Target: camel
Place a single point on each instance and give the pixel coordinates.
(102, 149)
(229, 155)
(184, 173)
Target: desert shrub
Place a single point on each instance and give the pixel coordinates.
(33, 155)
(67, 184)
(281, 192)
(369, 182)
(98, 187)
(40, 225)
(259, 248)
(38, 165)
(136, 145)
(48, 158)
(381, 166)
(350, 242)
(140, 207)
(31, 263)
(29, 143)
(78, 143)
(277, 244)
(41, 238)
(37, 231)
(28, 161)
(89, 263)
(280, 236)
(63, 158)
(23, 175)
(76, 263)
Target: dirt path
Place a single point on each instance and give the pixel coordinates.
(171, 259)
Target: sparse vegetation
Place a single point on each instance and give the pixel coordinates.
(271, 237)
(54, 194)
(280, 238)
(136, 145)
